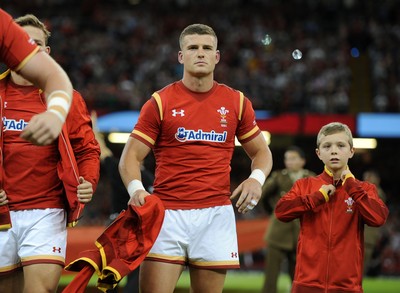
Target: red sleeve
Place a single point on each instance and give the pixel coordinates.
(248, 128)
(372, 208)
(85, 146)
(16, 46)
(296, 202)
(148, 125)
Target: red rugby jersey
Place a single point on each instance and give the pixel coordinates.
(16, 46)
(193, 137)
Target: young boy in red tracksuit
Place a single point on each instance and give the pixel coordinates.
(333, 208)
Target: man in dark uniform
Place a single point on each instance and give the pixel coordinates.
(281, 237)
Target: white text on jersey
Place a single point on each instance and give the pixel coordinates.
(192, 135)
(14, 125)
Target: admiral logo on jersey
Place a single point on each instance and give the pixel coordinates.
(14, 125)
(183, 135)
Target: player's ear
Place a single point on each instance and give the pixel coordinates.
(180, 57)
(217, 57)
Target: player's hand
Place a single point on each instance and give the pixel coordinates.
(84, 190)
(43, 128)
(329, 189)
(137, 198)
(250, 194)
(3, 198)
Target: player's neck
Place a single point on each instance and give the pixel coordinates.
(19, 80)
(198, 84)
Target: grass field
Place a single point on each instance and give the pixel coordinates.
(251, 282)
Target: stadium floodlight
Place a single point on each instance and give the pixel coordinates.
(365, 143)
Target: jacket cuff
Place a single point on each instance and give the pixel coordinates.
(325, 194)
(318, 198)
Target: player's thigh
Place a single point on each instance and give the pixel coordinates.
(42, 277)
(158, 276)
(12, 283)
(213, 240)
(207, 281)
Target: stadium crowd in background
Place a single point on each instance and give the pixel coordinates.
(348, 50)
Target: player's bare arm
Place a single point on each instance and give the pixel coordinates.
(129, 168)
(249, 191)
(45, 127)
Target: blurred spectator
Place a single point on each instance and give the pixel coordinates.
(372, 235)
(282, 237)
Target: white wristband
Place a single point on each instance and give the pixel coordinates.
(258, 175)
(133, 186)
(59, 103)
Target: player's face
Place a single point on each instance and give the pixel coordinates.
(38, 36)
(335, 151)
(199, 54)
(293, 161)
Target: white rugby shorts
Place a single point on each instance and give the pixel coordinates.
(36, 236)
(202, 238)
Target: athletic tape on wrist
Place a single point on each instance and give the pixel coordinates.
(59, 103)
(258, 175)
(133, 186)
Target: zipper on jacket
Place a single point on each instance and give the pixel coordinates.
(329, 246)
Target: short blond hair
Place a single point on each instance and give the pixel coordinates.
(31, 20)
(197, 29)
(332, 128)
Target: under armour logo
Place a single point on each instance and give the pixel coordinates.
(234, 254)
(175, 112)
(57, 249)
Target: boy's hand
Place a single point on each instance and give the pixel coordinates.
(346, 174)
(329, 189)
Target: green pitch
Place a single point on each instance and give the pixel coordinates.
(251, 282)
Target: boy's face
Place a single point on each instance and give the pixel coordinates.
(335, 151)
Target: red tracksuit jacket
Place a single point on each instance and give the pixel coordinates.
(330, 249)
(79, 155)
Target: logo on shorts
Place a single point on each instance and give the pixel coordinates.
(234, 255)
(57, 249)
